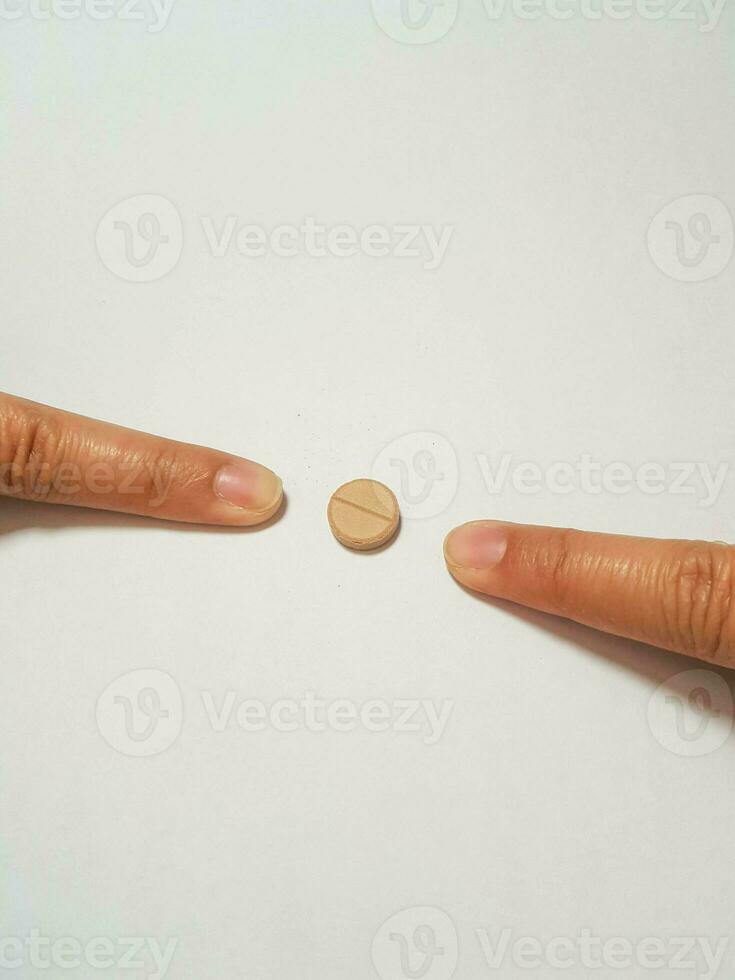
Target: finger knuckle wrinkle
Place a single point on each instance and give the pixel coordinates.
(558, 568)
(31, 447)
(699, 601)
(162, 471)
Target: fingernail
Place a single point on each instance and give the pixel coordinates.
(248, 485)
(479, 545)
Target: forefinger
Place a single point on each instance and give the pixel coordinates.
(54, 456)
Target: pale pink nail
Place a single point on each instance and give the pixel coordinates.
(248, 485)
(480, 545)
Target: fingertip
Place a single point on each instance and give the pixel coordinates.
(474, 552)
(476, 545)
(249, 493)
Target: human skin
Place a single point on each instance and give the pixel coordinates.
(673, 594)
(60, 458)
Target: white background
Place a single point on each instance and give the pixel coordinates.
(550, 804)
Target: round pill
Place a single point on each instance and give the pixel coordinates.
(363, 514)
